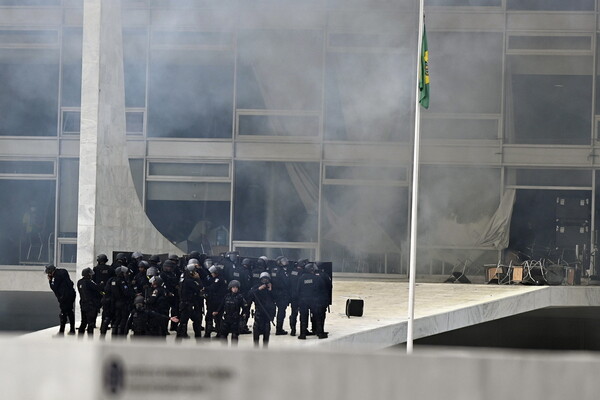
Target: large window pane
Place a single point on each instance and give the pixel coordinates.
(280, 70)
(276, 201)
(551, 5)
(549, 109)
(135, 49)
(71, 71)
(195, 216)
(26, 221)
(190, 94)
(368, 96)
(363, 228)
(68, 197)
(28, 92)
(466, 72)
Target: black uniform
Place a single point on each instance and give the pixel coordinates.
(190, 306)
(243, 275)
(171, 280)
(326, 297)
(281, 295)
(122, 295)
(108, 311)
(62, 286)
(311, 298)
(294, 282)
(231, 309)
(141, 283)
(90, 297)
(140, 321)
(264, 312)
(102, 273)
(216, 289)
(158, 302)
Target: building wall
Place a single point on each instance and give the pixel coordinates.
(287, 129)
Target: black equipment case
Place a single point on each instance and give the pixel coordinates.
(354, 307)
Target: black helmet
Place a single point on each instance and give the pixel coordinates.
(232, 255)
(283, 261)
(152, 271)
(156, 279)
(264, 275)
(302, 263)
(121, 271)
(154, 258)
(190, 268)
(102, 258)
(143, 264)
(50, 268)
(121, 256)
(233, 283)
(246, 261)
(137, 254)
(87, 273)
(138, 300)
(310, 267)
(168, 264)
(173, 257)
(195, 254)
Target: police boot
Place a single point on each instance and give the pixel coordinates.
(63, 322)
(279, 329)
(173, 326)
(197, 330)
(208, 331)
(182, 332)
(104, 326)
(71, 323)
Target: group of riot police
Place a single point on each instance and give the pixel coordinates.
(143, 296)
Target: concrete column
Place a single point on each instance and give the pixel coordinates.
(110, 216)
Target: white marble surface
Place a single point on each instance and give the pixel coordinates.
(110, 216)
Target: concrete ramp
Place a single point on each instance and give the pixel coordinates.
(438, 308)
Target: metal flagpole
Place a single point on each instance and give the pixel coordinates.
(415, 195)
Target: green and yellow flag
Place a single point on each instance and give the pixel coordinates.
(424, 73)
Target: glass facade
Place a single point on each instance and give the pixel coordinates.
(286, 131)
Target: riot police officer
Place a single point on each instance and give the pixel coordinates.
(244, 276)
(216, 289)
(140, 280)
(157, 301)
(294, 282)
(281, 292)
(154, 261)
(62, 286)
(90, 296)
(311, 291)
(140, 319)
(231, 309)
(171, 281)
(264, 309)
(191, 303)
(122, 295)
(325, 298)
(134, 262)
(102, 271)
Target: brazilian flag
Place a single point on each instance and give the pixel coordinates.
(424, 73)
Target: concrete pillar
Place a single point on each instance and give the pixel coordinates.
(110, 216)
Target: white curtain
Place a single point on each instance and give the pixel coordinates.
(497, 231)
